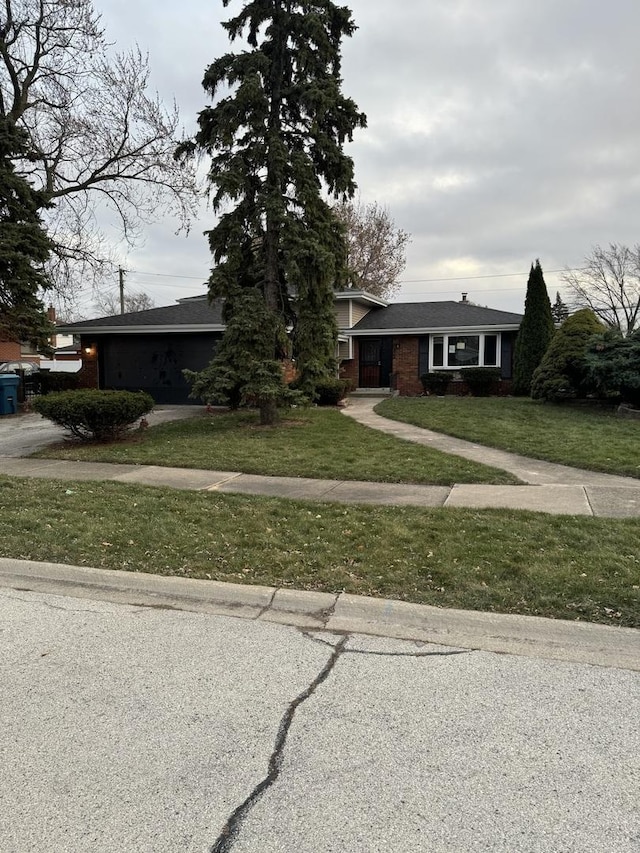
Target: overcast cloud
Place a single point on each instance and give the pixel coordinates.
(499, 131)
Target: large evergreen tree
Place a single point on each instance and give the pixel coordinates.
(24, 248)
(536, 331)
(275, 138)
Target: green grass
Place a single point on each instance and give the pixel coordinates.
(509, 562)
(596, 440)
(318, 443)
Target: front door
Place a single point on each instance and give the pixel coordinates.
(375, 362)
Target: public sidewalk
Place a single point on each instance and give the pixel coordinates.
(559, 499)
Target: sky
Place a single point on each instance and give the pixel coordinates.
(499, 132)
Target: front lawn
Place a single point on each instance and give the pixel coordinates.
(320, 443)
(491, 560)
(594, 439)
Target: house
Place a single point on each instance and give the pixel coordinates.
(380, 344)
(390, 345)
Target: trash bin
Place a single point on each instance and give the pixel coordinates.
(9, 383)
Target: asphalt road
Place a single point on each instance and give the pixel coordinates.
(130, 728)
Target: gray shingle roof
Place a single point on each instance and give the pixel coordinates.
(434, 315)
(189, 312)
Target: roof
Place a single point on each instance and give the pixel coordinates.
(197, 314)
(188, 315)
(434, 316)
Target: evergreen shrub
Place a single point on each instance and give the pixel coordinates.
(436, 382)
(95, 415)
(613, 365)
(57, 380)
(329, 391)
(563, 373)
(482, 381)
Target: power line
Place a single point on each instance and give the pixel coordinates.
(203, 279)
(475, 277)
(168, 275)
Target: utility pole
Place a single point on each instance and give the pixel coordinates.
(121, 280)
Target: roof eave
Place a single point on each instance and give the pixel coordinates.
(435, 330)
(141, 330)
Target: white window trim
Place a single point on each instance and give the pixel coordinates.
(445, 349)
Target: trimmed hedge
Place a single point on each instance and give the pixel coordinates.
(482, 381)
(57, 380)
(436, 382)
(330, 391)
(90, 414)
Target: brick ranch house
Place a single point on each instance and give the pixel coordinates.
(380, 344)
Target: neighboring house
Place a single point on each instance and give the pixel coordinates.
(380, 345)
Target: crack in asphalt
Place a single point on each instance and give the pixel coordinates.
(44, 603)
(227, 837)
(372, 653)
(232, 827)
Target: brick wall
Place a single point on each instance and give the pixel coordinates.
(10, 351)
(405, 366)
(88, 376)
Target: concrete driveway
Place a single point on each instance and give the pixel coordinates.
(21, 435)
(134, 728)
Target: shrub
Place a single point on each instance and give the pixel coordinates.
(613, 365)
(57, 381)
(535, 334)
(329, 391)
(562, 374)
(92, 414)
(436, 382)
(482, 381)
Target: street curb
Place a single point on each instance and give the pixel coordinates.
(529, 636)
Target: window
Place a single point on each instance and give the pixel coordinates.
(459, 351)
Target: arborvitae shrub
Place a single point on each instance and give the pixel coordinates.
(535, 334)
(90, 414)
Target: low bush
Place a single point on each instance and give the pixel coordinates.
(90, 414)
(329, 391)
(436, 382)
(57, 380)
(481, 381)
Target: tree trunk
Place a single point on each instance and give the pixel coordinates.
(268, 411)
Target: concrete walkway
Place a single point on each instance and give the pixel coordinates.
(534, 472)
(555, 489)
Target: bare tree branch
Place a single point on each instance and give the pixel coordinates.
(609, 284)
(97, 136)
(375, 247)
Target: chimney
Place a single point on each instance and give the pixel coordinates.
(464, 297)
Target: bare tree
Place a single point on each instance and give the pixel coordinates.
(97, 139)
(375, 247)
(609, 284)
(108, 303)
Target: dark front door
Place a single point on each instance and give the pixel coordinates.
(375, 362)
